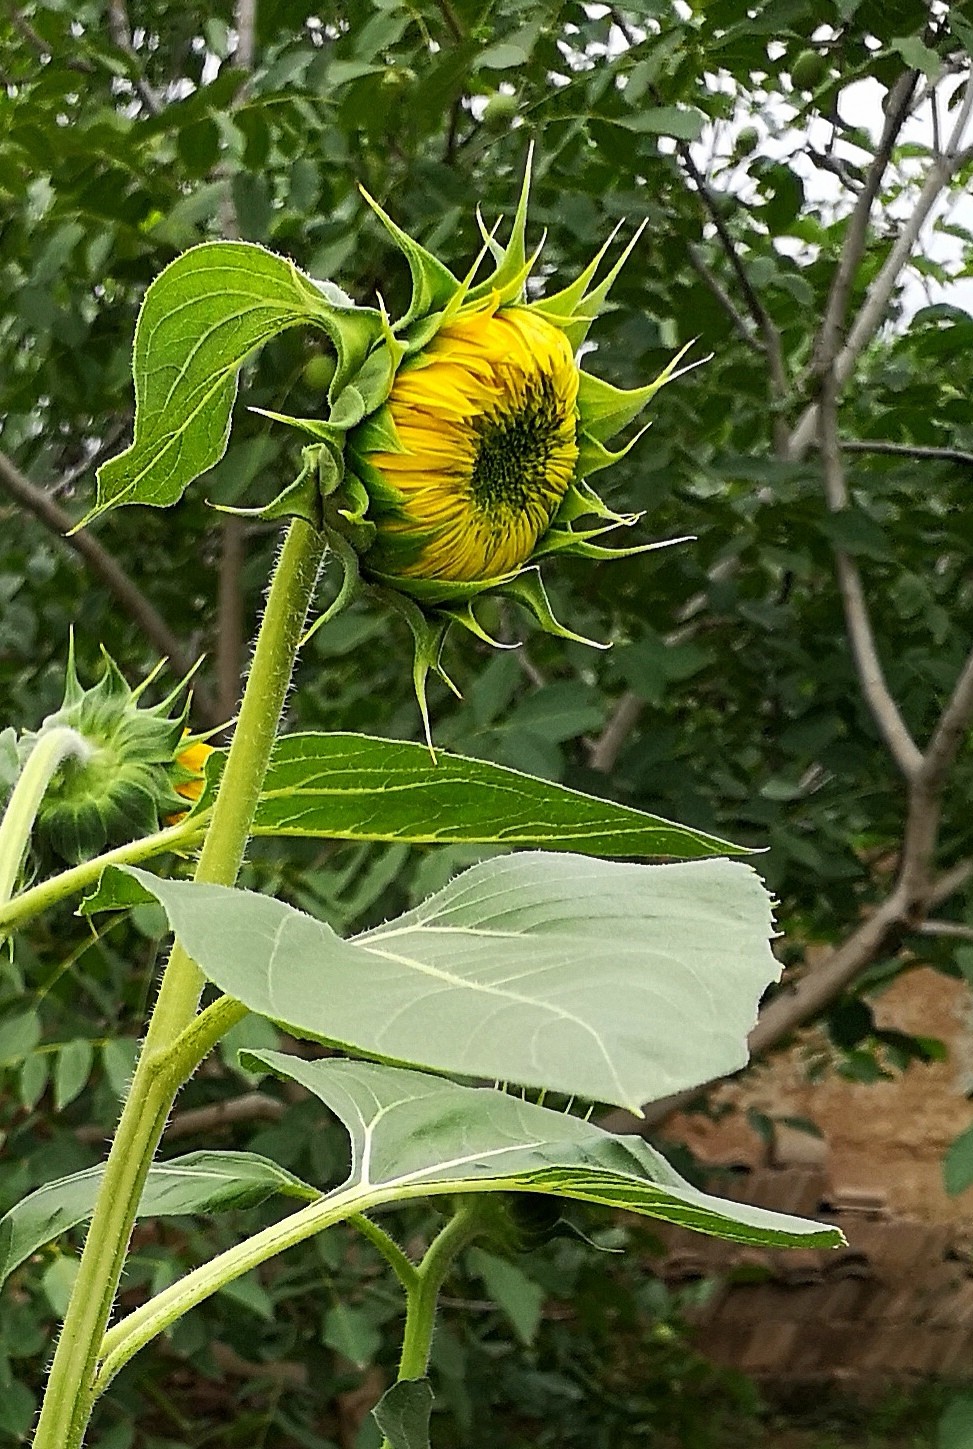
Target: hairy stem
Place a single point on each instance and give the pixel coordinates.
(423, 1296)
(70, 1396)
(24, 907)
(50, 751)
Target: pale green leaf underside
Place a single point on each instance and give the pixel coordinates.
(412, 1134)
(356, 787)
(616, 982)
(202, 317)
(199, 1182)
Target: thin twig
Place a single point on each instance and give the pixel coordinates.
(737, 319)
(121, 34)
(40, 45)
(110, 572)
(762, 318)
(607, 747)
(952, 929)
(907, 450)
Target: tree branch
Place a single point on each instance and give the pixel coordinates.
(737, 319)
(199, 1121)
(829, 335)
(764, 322)
(952, 726)
(878, 696)
(872, 311)
(952, 929)
(135, 604)
(121, 34)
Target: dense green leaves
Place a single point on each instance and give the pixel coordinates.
(411, 1133)
(199, 1182)
(354, 787)
(619, 983)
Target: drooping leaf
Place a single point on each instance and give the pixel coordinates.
(356, 787)
(616, 982)
(202, 317)
(199, 1182)
(414, 1135)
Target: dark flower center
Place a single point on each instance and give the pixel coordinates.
(511, 470)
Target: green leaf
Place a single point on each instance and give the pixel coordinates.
(351, 1332)
(199, 1182)
(520, 1298)
(71, 1071)
(19, 1034)
(202, 317)
(917, 54)
(619, 983)
(413, 1135)
(958, 1163)
(403, 1413)
(683, 124)
(354, 787)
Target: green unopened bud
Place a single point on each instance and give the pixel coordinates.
(125, 784)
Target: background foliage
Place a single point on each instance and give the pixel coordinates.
(746, 136)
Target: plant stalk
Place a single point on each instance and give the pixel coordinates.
(24, 907)
(69, 1398)
(50, 751)
(423, 1296)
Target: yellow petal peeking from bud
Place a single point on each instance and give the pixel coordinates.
(194, 760)
(191, 762)
(487, 423)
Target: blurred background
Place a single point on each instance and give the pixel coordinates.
(797, 677)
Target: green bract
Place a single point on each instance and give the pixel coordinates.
(233, 297)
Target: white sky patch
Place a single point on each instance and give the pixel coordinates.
(812, 146)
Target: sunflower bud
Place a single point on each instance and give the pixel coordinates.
(486, 424)
(459, 440)
(133, 775)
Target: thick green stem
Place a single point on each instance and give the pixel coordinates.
(423, 1297)
(69, 1397)
(50, 751)
(422, 1294)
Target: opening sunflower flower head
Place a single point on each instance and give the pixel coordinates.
(460, 439)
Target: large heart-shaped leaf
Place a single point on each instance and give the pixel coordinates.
(199, 1182)
(355, 787)
(413, 1135)
(615, 982)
